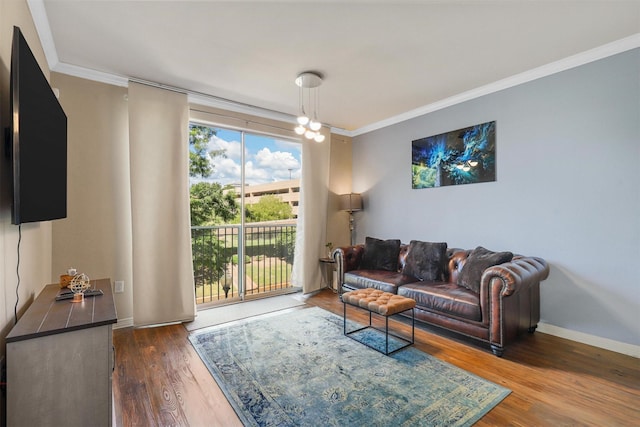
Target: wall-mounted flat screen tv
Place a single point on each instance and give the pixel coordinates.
(39, 140)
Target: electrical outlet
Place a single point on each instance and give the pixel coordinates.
(119, 288)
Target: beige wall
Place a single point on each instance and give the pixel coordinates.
(96, 236)
(339, 183)
(35, 248)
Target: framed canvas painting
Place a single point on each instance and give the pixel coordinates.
(463, 156)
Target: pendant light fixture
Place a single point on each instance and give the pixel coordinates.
(309, 125)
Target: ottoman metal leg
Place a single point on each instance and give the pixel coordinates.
(386, 332)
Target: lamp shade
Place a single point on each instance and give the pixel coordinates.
(351, 202)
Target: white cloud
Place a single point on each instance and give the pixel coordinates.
(277, 160)
(232, 149)
(261, 167)
(256, 175)
(226, 171)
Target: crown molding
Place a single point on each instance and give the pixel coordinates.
(89, 74)
(340, 131)
(610, 49)
(41, 22)
(604, 51)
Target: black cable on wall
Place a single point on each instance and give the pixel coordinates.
(15, 309)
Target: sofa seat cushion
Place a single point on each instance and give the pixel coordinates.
(387, 281)
(443, 297)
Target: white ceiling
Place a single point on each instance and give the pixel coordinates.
(379, 59)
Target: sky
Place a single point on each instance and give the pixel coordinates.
(267, 159)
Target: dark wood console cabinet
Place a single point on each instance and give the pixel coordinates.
(60, 360)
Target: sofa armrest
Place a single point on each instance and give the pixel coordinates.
(347, 258)
(520, 273)
(510, 298)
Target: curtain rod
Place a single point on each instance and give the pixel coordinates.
(240, 119)
(212, 97)
(227, 101)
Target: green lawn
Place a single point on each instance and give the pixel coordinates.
(267, 274)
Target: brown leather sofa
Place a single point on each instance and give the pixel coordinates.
(506, 305)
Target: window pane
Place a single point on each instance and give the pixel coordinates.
(215, 213)
(272, 190)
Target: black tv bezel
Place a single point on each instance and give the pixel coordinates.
(22, 56)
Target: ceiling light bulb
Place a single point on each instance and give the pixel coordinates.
(460, 166)
(466, 168)
(303, 120)
(315, 125)
(299, 130)
(310, 134)
(473, 163)
(319, 137)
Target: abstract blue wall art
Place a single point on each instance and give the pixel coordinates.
(463, 156)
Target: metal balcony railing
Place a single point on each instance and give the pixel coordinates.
(268, 259)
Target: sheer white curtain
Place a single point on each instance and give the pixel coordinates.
(163, 288)
(312, 215)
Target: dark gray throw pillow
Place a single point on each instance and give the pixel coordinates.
(380, 254)
(478, 261)
(425, 260)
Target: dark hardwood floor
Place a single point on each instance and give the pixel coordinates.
(159, 379)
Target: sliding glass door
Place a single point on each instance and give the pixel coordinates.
(244, 191)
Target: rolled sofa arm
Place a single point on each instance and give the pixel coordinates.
(347, 258)
(521, 272)
(510, 299)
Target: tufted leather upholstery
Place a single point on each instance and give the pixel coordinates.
(507, 305)
(383, 303)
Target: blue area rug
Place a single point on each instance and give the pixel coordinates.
(298, 369)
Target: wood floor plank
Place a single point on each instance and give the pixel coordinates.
(160, 380)
(198, 389)
(131, 403)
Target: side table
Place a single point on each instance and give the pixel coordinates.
(328, 267)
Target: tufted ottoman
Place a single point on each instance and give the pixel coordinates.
(384, 304)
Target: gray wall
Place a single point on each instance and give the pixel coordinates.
(567, 189)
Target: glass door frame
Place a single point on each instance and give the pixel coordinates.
(241, 294)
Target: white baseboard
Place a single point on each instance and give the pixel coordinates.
(124, 323)
(581, 337)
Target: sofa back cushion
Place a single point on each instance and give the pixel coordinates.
(479, 260)
(426, 261)
(380, 254)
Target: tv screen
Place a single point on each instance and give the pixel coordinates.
(39, 140)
